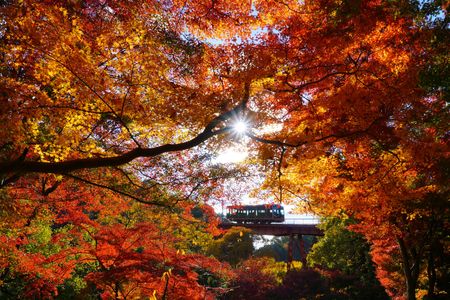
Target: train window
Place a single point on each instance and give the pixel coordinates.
(255, 213)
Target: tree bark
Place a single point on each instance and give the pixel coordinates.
(431, 272)
(411, 272)
(20, 166)
(215, 127)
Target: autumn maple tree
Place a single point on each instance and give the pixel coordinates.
(81, 237)
(107, 102)
(382, 132)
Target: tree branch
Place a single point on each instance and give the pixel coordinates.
(320, 139)
(115, 190)
(280, 173)
(64, 167)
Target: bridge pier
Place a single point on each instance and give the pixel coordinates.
(290, 230)
(290, 246)
(302, 250)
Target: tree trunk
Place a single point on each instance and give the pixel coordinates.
(165, 288)
(411, 272)
(116, 292)
(431, 272)
(411, 289)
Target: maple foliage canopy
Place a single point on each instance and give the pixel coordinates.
(345, 100)
(97, 84)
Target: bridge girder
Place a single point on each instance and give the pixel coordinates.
(278, 229)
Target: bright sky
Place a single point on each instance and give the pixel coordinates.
(239, 152)
(232, 155)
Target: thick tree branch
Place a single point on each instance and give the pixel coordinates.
(9, 180)
(21, 166)
(301, 143)
(89, 163)
(320, 139)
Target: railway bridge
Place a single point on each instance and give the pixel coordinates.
(292, 228)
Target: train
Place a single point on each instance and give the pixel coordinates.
(255, 214)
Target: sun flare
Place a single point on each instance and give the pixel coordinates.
(240, 127)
